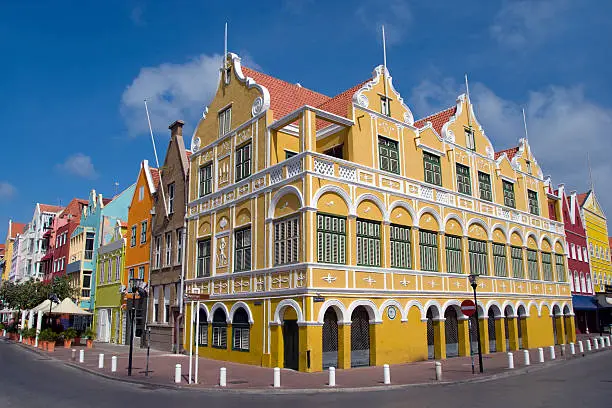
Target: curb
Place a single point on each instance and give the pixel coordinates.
(281, 391)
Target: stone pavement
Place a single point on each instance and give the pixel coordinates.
(240, 376)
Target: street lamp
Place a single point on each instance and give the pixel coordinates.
(474, 284)
(142, 294)
(52, 299)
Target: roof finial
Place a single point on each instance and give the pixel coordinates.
(224, 66)
(384, 40)
(525, 124)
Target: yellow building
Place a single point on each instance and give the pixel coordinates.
(14, 228)
(597, 239)
(340, 232)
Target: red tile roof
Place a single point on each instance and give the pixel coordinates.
(285, 97)
(123, 224)
(50, 208)
(155, 176)
(339, 104)
(582, 198)
(188, 154)
(437, 119)
(74, 207)
(2, 249)
(509, 152)
(17, 228)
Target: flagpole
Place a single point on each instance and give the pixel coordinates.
(467, 94)
(525, 124)
(161, 184)
(385, 63)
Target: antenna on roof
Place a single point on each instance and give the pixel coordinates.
(384, 62)
(467, 94)
(590, 172)
(161, 184)
(116, 184)
(525, 124)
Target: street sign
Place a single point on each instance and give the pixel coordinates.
(196, 296)
(468, 307)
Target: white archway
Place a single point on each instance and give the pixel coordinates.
(503, 229)
(506, 304)
(455, 217)
(534, 236)
(435, 306)
(288, 303)
(550, 242)
(246, 308)
(406, 206)
(214, 308)
(533, 303)
(452, 303)
(283, 191)
(433, 213)
(525, 308)
(419, 306)
(481, 223)
(375, 200)
(542, 304)
(330, 188)
(519, 232)
(338, 307)
(391, 302)
(491, 303)
(370, 307)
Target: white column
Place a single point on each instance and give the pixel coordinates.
(38, 326)
(197, 339)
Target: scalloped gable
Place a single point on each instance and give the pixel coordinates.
(360, 99)
(437, 120)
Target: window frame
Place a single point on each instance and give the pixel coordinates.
(452, 253)
(560, 266)
(463, 179)
(534, 207)
(484, 180)
(335, 238)
(143, 231)
(500, 260)
(287, 240)
(386, 149)
(385, 106)
(509, 194)
(400, 239)
(369, 242)
(239, 246)
(478, 256)
(426, 248)
(470, 140)
(436, 168)
(243, 166)
(171, 188)
(179, 246)
(205, 180)
(201, 258)
(168, 249)
(531, 263)
(225, 120)
(547, 268)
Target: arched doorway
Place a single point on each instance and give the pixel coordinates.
(432, 313)
(330, 338)
(241, 330)
(568, 328)
(521, 325)
(291, 343)
(491, 330)
(360, 337)
(556, 322)
(451, 329)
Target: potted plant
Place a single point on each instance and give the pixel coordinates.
(3, 329)
(51, 339)
(43, 338)
(68, 335)
(31, 336)
(90, 335)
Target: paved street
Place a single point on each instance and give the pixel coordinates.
(31, 381)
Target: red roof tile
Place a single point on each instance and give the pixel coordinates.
(285, 97)
(437, 119)
(155, 176)
(50, 208)
(17, 228)
(582, 198)
(339, 104)
(509, 152)
(188, 154)
(124, 224)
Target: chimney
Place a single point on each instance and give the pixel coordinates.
(176, 128)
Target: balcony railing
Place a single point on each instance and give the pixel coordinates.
(85, 293)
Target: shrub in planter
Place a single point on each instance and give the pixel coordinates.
(90, 335)
(68, 336)
(51, 339)
(31, 336)
(44, 337)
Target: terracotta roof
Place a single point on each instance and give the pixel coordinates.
(285, 97)
(582, 198)
(509, 152)
(74, 207)
(123, 224)
(17, 228)
(50, 208)
(339, 104)
(437, 119)
(188, 154)
(155, 176)
(1, 249)
(106, 200)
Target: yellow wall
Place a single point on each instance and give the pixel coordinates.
(597, 237)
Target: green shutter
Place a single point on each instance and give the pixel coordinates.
(401, 254)
(433, 173)
(454, 263)
(508, 194)
(534, 207)
(484, 185)
(428, 246)
(331, 233)
(388, 155)
(499, 260)
(464, 182)
(477, 251)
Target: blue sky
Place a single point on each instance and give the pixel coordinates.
(74, 74)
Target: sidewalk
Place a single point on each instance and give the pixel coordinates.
(242, 377)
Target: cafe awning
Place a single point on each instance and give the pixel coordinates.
(67, 306)
(584, 302)
(44, 306)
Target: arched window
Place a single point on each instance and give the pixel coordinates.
(219, 325)
(589, 283)
(240, 330)
(576, 282)
(571, 281)
(582, 283)
(203, 328)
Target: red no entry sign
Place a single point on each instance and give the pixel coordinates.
(468, 307)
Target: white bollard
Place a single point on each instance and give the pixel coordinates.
(81, 356)
(114, 364)
(332, 377)
(526, 357)
(510, 361)
(386, 374)
(596, 343)
(572, 349)
(177, 374)
(100, 360)
(580, 346)
(552, 352)
(608, 341)
(588, 344)
(541, 354)
(73, 355)
(276, 377)
(438, 371)
(222, 377)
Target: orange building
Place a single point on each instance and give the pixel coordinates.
(138, 249)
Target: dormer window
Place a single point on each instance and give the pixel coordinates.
(385, 106)
(225, 121)
(528, 167)
(470, 143)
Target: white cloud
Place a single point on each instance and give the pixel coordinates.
(173, 91)
(396, 16)
(563, 126)
(7, 191)
(79, 165)
(524, 23)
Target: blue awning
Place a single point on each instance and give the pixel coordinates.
(584, 302)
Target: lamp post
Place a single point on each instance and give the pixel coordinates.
(52, 299)
(474, 284)
(141, 293)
